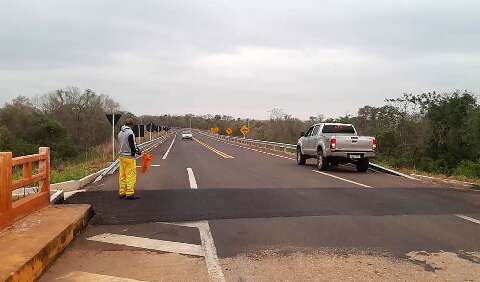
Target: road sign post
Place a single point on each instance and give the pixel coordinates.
(244, 130)
(113, 118)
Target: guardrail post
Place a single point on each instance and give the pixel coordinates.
(5, 181)
(44, 167)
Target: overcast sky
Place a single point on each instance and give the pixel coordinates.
(240, 58)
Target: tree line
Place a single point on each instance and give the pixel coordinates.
(429, 131)
(69, 121)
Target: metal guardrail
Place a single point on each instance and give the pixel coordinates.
(260, 143)
(145, 146)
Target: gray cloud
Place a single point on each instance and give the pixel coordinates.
(240, 58)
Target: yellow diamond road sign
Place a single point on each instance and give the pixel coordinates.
(244, 129)
(229, 131)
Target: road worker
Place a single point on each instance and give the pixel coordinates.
(128, 165)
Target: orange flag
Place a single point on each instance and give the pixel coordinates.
(147, 160)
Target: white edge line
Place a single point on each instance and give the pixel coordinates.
(191, 179)
(341, 178)
(170, 147)
(150, 244)
(68, 194)
(471, 219)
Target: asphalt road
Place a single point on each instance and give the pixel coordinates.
(255, 213)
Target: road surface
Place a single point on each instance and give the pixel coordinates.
(214, 211)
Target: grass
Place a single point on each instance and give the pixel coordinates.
(463, 178)
(90, 162)
(75, 171)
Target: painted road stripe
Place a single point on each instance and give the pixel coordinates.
(248, 148)
(259, 151)
(285, 157)
(81, 276)
(68, 194)
(214, 268)
(153, 165)
(191, 179)
(471, 219)
(150, 244)
(341, 178)
(168, 151)
(218, 152)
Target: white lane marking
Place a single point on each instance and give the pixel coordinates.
(81, 276)
(150, 244)
(191, 179)
(153, 165)
(341, 178)
(168, 151)
(471, 219)
(214, 268)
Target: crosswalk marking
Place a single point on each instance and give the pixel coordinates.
(150, 244)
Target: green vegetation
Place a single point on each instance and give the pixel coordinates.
(429, 132)
(71, 122)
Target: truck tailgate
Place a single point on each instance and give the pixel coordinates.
(354, 143)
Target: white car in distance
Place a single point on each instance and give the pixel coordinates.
(187, 134)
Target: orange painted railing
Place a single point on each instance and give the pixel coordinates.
(11, 211)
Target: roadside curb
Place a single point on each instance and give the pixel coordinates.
(468, 185)
(33, 243)
(391, 171)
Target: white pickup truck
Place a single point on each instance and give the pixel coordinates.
(335, 143)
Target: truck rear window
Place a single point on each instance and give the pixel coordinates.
(335, 128)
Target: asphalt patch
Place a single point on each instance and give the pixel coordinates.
(208, 204)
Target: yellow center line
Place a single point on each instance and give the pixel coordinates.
(218, 152)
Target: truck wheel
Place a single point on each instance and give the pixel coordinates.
(322, 162)
(362, 165)
(300, 157)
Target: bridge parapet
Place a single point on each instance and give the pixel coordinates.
(14, 210)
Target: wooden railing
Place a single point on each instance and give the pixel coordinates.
(11, 211)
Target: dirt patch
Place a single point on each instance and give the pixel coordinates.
(326, 266)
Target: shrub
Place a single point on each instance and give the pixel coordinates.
(468, 169)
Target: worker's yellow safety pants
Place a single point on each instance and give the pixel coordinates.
(127, 176)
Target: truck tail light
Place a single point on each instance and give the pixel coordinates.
(333, 143)
(374, 143)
